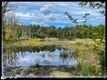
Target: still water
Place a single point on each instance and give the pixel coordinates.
(37, 55)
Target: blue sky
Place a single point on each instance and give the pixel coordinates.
(52, 13)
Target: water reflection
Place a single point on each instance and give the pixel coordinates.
(37, 55)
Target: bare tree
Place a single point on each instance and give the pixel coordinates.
(8, 18)
(6, 7)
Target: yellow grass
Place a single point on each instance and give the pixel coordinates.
(84, 47)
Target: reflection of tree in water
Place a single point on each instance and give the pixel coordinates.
(9, 56)
(66, 55)
(12, 54)
(43, 55)
(37, 61)
(34, 48)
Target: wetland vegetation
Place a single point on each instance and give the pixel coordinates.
(51, 51)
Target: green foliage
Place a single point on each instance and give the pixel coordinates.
(68, 32)
(74, 20)
(85, 69)
(98, 5)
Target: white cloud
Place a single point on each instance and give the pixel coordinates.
(82, 12)
(46, 12)
(80, 20)
(24, 15)
(46, 9)
(54, 17)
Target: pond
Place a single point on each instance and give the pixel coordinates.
(37, 56)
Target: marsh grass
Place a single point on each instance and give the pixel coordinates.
(85, 49)
(64, 54)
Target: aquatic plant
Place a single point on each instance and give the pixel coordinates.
(64, 54)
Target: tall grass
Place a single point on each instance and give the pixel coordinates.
(84, 49)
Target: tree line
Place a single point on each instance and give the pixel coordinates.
(37, 31)
(12, 30)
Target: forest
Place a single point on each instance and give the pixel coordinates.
(68, 32)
